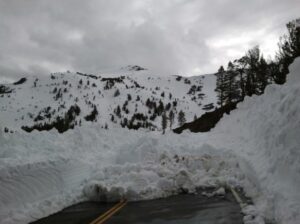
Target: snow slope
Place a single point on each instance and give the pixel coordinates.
(255, 147)
(41, 100)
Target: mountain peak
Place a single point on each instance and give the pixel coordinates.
(133, 68)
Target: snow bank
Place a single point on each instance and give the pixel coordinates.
(151, 171)
(39, 188)
(45, 172)
(265, 132)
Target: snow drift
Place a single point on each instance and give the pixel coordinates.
(256, 147)
(45, 172)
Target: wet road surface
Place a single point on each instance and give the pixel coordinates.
(180, 209)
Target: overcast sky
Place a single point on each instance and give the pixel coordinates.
(168, 36)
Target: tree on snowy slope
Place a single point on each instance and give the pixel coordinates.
(231, 88)
(252, 58)
(117, 93)
(171, 118)
(240, 65)
(181, 118)
(257, 72)
(220, 88)
(93, 115)
(118, 111)
(289, 49)
(263, 75)
(164, 122)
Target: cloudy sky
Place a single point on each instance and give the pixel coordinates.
(167, 36)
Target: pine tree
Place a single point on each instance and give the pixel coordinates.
(220, 85)
(195, 117)
(160, 108)
(252, 59)
(117, 93)
(289, 49)
(171, 118)
(240, 66)
(118, 111)
(181, 118)
(263, 75)
(231, 93)
(164, 122)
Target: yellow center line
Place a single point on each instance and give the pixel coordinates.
(237, 197)
(111, 214)
(101, 219)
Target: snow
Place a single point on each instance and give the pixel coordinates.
(47, 172)
(32, 98)
(264, 130)
(256, 147)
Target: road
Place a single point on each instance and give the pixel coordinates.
(180, 209)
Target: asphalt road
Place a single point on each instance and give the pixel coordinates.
(187, 209)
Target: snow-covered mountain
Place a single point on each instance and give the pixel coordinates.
(129, 97)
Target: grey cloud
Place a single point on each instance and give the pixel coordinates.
(170, 36)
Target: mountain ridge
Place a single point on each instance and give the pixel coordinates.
(134, 99)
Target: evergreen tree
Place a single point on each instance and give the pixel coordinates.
(171, 118)
(240, 66)
(252, 59)
(160, 108)
(118, 111)
(289, 49)
(263, 75)
(195, 117)
(220, 85)
(117, 93)
(181, 118)
(231, 90)
(164, 122)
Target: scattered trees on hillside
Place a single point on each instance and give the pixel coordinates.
(93, 115)
(61, 123)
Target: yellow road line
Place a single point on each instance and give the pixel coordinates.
(111, 214)
(101, 219)
(237, 197)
